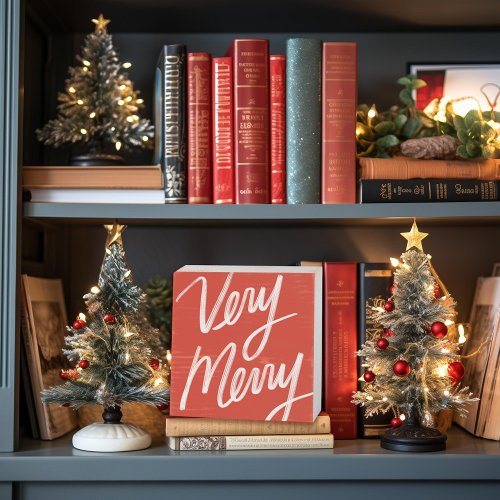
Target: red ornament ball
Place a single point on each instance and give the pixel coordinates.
(389, 306)
(456, 370)
(369, 376)
(382, 344)
(78, 324)
(162, 406)
(84, 363)
(439, 329)
(109, 319)
(154, 363)
(63, 374)
(389, 333)
(401, 368)
(437, 292)
(396, 422)
(392, 288)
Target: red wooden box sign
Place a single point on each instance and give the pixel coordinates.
(247, 343)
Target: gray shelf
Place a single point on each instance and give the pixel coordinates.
(224, 214)
(466, 458)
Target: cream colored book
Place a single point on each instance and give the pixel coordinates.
(281, 442)
(182, 426)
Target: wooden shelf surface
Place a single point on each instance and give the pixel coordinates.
(466, 458)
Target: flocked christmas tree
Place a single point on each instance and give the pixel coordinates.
(413, 368)
(114, 349)
(99, 106)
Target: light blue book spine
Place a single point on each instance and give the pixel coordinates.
(303, 120)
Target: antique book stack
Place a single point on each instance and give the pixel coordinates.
(405, 180)
(93, 184)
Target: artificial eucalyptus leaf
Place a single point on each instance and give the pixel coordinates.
(471, 117)
(463, 136)
(388, 141)
(462, 151)
(418, 83)
(411, 127)
(473, 148)
(487, 132)
(475, 130)
(384, 128)
(399, 122)
(404, 80)
(459, 122)
(405, 96)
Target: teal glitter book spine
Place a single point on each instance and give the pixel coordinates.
(303, 120)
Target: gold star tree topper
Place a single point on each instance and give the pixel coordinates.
(101, 23)
(114, 234)
(414, 237)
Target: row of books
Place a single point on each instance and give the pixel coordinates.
(258, 128)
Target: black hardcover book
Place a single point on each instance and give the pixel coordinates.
(375, 280)
(427, 190)
(170, 121)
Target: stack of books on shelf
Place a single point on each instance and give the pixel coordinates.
(195, 434)
(405, 180)
(110, 184)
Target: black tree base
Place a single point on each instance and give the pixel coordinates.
(413, 438)
(97, 160)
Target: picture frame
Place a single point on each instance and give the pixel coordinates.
(44, 320)
(480, 81)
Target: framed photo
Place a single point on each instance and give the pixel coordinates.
(479, 81)
(44, 328)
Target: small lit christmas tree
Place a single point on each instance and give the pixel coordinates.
(115, 350)
(99, 106)
(414, 366)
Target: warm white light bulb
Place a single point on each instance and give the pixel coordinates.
(92, 115)
(369, 398)
(128, 98)
(169, 356)
(158, 382)
(449, 322)
(442, 370)
(384, 399)
(118, 145)
(402, 416)
(394, 262)
(85, 69)
(127, 65)
(79, 102)
(372, 112)
(127, 274)
(461, 334)
(128, 334)
(95, 290)
(122, 87)
(446, 393)
(83, 131)
(82, 317)
(72, 90)
(87, 63)
(145, 138)
(121, 102)
(139, 101)
(130, 119)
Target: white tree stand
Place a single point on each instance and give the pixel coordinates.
(109, 438)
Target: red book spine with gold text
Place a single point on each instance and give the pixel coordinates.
(277, 67)
(223, 130)
(199, 125)
(251, 119)
(340, 345)
(339, 123)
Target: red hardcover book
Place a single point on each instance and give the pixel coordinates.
(223, 130)
(251, 119)
(199, 125)
(277, 67)
(340, 345)
(339, 123)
